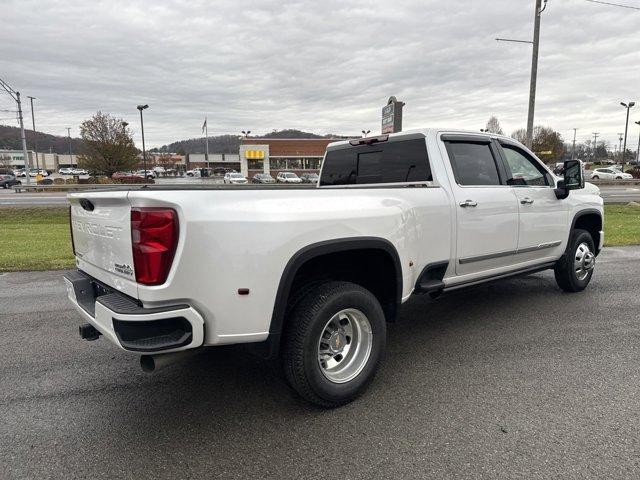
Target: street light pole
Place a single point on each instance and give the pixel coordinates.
(638, 150)
(144, 151)
(595, 144)
(35, 135)
(206, 144)
(626, 127)
(16, 96)
(573, 149)
(70, 154)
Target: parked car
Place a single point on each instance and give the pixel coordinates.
(145, 174)
(288, 177)
(79, 171)
(7, 181)
(610, 174)
(65, 171)
(193, 173)
(32, 173)
(234, 178)
(312, 277)
(262, 178)
(309, 178)
(158, 170)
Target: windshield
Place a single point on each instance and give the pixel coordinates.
(236, 175)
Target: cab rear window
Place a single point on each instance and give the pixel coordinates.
(386, 162)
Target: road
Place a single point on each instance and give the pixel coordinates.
(8, 198)
(510, 380)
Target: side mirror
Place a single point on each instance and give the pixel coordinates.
(573, 175)
(573, 178)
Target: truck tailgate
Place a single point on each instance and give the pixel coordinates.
(101, 229)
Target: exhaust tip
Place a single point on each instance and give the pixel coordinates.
(147, 363)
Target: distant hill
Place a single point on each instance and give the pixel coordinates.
(231, 143)
(10, 140)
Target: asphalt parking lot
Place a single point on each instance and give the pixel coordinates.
(510, 380)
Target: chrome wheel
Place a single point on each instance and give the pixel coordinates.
(345, 345)
(583, 261)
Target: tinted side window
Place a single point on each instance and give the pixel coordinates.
(406, 161)
(473, 163)
(523, 170)
(388, 162)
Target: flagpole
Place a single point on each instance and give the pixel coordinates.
(206, 136)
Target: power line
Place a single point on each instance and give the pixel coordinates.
(613, 4)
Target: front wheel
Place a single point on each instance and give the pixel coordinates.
(595, 177)
(333, 342)
(574, 270)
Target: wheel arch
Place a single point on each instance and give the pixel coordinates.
(351, 245)
(590, 220)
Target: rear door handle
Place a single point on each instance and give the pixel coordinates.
(526, 201)
(468, 203)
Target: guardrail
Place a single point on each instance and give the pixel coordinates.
(65, 188)
(635, 181)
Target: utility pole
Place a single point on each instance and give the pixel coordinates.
(573, 150)
(35, 135)
(534, 72)
(16, 96)
(70, 154)
(595, 144)
(620, 148)
(534, 67)
(626, 128)
(638, 150)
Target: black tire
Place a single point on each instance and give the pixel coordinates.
(305, 325)
(5, 185)
(566, 275)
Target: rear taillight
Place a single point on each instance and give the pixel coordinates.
(154, 237)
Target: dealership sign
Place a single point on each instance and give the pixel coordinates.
(392, 116)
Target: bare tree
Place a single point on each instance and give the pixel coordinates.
(493, 126)
(547, 143)
(5, 161)
(107, 145)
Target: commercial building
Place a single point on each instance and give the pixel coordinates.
(216, 160)
(274, 155)
(49, 161)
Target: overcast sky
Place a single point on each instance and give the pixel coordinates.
(323, 66)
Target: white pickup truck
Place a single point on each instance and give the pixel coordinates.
(312, 275)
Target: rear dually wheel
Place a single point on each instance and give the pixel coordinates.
(333, 342)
